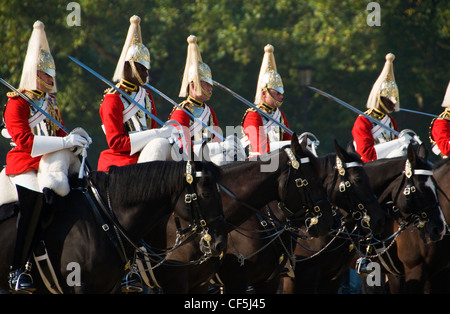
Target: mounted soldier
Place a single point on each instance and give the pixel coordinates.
(197, 87)
(33, 136)
(127, 128)
(440, 129)
(261, 132)
(372, 141)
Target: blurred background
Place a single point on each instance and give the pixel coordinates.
(327, 44)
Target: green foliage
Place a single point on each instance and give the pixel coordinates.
(331, 35)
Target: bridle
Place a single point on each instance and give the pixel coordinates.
(110, 224)
(311, 209)
(359, 209)
(417, 216)
(193, 208)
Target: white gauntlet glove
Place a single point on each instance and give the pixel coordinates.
(49, 144)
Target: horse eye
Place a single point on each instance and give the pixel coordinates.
(206, 194)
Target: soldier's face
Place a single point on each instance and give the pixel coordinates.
(44, 82)
(131, 77)
(205, 93)
(275, 101)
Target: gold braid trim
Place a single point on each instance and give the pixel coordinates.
(51, 126)
(443, 115)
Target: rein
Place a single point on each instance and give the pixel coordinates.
(418, 217)
(304, 191)
(345, 187)
(418, 220)
(301, 184)
(107, 218)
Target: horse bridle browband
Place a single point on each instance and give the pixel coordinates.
(192, 205)
(419, 218)
(190, 199)
(302, 184)
(345, 186)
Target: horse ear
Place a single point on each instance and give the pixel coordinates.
(412, 155)
(339, 150)
(422, 151)
(295, 146)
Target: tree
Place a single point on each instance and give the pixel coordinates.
(330, 35)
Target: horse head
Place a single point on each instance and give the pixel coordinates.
(349, 189)
(303, 198)
(201, 206)
(414, 196)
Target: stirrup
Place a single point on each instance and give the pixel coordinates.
(20, 281)
(132, 283)
(362, 264)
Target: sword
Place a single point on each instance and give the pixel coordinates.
(354, 110)
(148, 86)
(27, 99)
(245, 101)
(117, 89)
(419, 112)
(84, 163)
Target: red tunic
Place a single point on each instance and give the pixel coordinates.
(185, 120)
(19, 160)
(111, 113)
(440, 133)
(253, 125)
(362, 134)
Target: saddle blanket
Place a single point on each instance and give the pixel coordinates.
(53, 173)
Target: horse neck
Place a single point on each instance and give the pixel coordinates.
(327, 170)
(442, 178)
(382, 173)
(251, 186)
(136, 219)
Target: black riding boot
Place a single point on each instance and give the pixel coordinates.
(31, 203)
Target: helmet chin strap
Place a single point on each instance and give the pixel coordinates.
(278, 103)
(43, 83)
(136, 74)
(384, 107)
(206, 93)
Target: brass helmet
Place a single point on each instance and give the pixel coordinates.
(446, 102)
(385, 86)
(38, 58)
(195, 69)
(268, 75)
(133, 50)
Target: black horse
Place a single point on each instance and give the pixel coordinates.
(405, 189)
(130, 201)
(438, 253)
(424, 267)
(287, 176)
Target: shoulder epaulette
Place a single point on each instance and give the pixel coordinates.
(245, 114)
(14, 94)
(186, 105)
(445, 114)
(110, 90)
(375, 114)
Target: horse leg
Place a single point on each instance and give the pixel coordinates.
(395, 284)
(233, 275)
(268, 287)
(288, 285)
(414, 279)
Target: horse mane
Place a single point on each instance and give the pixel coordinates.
(440, 163)
(149, 180)
(264, 158)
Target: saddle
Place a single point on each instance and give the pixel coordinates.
(53, 173)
